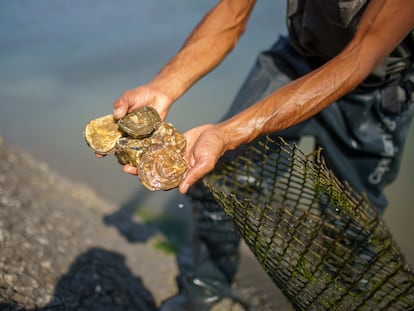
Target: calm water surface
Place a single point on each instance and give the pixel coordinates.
(64, 62)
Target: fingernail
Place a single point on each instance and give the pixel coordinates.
(184, 188)
(118, 112)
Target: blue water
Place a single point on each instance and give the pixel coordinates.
(64, 62)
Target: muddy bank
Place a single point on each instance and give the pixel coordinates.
(56, 251)
(64, 248)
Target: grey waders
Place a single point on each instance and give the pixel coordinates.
(214, 258)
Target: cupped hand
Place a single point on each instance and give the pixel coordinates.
(205, 145)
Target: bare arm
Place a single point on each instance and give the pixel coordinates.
(208, 44)
(205, 48)
(383, 26)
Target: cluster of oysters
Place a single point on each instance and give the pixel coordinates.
(142, 140)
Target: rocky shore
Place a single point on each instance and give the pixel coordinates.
(64, 248)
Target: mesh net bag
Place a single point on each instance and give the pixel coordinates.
(320, 242)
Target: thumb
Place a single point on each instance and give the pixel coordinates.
(195, 173)
(120, 111)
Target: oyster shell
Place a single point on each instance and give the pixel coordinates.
(167, 135)
(140, 123)
(161, 168)
(101, 134)
(141, 140)
(129, 150)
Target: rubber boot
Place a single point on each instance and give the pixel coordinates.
(214, 258)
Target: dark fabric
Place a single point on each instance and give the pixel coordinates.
(362, 143)
(326, 27)
(216, 242)
(320, 29)
(362, 134)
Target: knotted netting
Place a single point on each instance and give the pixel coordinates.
(320, 242)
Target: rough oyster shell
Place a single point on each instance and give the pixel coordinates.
(129, 150)
(141, 140)
(101, 134)
(161, 168)
(140, 123)
(166, 135)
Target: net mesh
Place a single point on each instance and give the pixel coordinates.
(320, 242)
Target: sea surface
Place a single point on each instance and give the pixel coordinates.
(64, 62)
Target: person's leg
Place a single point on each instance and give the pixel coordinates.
(363, 141)
(215, 242)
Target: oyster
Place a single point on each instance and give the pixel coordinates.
(140, 123)
(101, 134)
(166, 135)
(161, 168)
(129, 150)
(141, 140)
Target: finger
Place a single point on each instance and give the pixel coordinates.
(194, 174)
(183, 187)
(120, 108)
(100, 155)
(130, 169)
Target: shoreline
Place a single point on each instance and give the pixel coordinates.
(64, 247)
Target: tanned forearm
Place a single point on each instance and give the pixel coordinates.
(209, 43)
(383, 26)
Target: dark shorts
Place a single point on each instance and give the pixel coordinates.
(362, 134)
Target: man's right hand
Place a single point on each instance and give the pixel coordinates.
(145, 95)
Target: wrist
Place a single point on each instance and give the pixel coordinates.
(235, 133)
(169, 85)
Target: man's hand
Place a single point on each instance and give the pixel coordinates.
(145, 95)
(205, 145)
(221, 27)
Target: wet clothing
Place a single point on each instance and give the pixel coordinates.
(320, 29)
(362, 134)
(362, 141)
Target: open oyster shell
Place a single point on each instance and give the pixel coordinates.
(101, 134)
